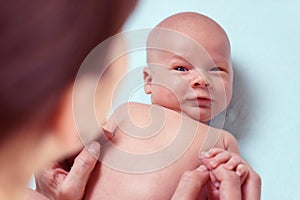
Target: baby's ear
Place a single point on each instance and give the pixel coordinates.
(147, 80)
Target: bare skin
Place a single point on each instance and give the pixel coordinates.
(105, 181)
(191, 84)
(185, 80)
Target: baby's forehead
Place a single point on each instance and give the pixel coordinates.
(189, 59)
(163, 41)
(192, 36)
(189, 55)
(189, 30)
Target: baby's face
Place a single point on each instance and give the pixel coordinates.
(196, 81)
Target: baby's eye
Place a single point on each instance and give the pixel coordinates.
(181, 69)
(216, 69)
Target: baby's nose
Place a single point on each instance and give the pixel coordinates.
(199, 80)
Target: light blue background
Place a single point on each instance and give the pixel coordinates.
(264, 114)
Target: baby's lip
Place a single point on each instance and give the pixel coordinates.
(203, 101)
(204, 97)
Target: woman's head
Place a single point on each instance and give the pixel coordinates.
(42, 47)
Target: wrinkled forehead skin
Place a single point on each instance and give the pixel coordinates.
(190, 35)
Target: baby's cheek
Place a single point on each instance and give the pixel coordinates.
(228, 92)
(224, 89)
(170, 100)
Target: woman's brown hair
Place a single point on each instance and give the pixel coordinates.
(42, 44)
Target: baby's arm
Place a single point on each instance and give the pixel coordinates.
(228, 153)
(115, 120)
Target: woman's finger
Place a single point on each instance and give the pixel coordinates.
(84, 163)
(230, 187)
(252, 186)
(191, 184)
(242, 171)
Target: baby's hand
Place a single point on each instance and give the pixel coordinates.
(231, 161)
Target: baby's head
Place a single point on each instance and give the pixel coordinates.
(189, 66)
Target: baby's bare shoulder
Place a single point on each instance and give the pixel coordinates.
(142, 114)
(229, 142)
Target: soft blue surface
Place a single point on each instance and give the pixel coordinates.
(265, 38)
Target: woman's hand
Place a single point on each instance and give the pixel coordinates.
(191, 184)
(59, 183)
(229, 184)
(250, 181)
(227, 173)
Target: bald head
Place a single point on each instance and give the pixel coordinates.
(198, 28)
(188, 54)
(189, 20)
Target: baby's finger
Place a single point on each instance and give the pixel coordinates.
(233, 162)
(218, 159)
(212, 152)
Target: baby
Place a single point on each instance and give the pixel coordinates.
(189, 76)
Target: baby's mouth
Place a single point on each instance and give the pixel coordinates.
(203, 101)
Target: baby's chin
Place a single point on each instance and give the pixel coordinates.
(195, 113)
(197, 116)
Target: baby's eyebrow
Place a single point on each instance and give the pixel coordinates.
(178, 57)
(178, 60)
(221, 63)
(181, 60)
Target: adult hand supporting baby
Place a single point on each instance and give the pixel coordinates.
(192, 182)
(230, 186)
(250, 181)
(58, 183)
